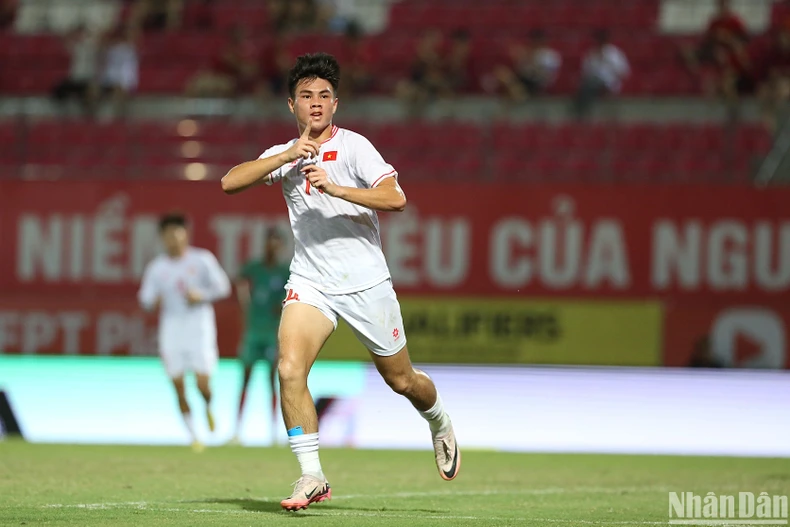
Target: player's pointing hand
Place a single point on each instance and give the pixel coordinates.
(304, 148)
(318, 179)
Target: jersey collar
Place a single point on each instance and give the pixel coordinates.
(334, 133)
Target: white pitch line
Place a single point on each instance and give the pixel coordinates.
(386, 514)
(403, 495)
(142, 505)
(95, 506)
(203, 511)
(509, 492)
(598, 522)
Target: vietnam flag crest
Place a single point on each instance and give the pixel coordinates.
(330, 156)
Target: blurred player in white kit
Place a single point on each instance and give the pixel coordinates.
(183, 283)
(334, 181)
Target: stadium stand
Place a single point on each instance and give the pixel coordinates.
(34, 59)
(533, 152)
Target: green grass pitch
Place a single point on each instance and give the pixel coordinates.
(68, 485)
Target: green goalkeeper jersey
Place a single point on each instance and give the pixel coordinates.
(266, 295)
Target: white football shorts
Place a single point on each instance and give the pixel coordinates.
(373, 314)
(178, 361)
(188, 343)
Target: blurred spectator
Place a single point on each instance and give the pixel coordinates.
(156, 14)
(428, 79)
(772, 70)
(337, 15)
(725, 34)
(81, 81)
(278, 14)
(121, 74)
(275, 63)
(302, 16)
(726, 18)
(8, 9)
(603, 70)
(356, 60)
(731, 72)
(202, 15)
(459, 62)
(233, 70)
(533, 69)
(329, 17)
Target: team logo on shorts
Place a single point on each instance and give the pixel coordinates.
(395, 333)
(291, 296)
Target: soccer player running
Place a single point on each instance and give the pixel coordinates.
(183, 283)
(259, 288)
(334, 181)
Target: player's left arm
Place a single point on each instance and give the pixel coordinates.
(148, 295)
(216, 285)
(387, 196)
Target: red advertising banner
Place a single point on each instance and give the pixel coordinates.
(703, 243)
(727, 336)
(65, 325)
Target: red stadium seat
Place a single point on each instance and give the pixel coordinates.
(573, 152)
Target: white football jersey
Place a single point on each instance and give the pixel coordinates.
(337, 247)
(191, 328)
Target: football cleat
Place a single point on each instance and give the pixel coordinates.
(308, 489)
(448, 457)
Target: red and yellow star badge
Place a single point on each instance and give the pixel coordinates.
(330, 156)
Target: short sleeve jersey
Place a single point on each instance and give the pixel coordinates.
(169, 280)
(337, 246)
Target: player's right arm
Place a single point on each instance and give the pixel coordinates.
(251, 173)
(148, 295)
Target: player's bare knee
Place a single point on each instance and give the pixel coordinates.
(402, 384)
(422, 374)
(292, 371)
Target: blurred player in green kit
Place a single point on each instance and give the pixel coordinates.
(260, 290)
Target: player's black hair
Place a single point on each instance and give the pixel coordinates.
(314, 66)
(175, 219)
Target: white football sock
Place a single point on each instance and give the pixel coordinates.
(190, 427)
(437, 418)
(305, 446)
